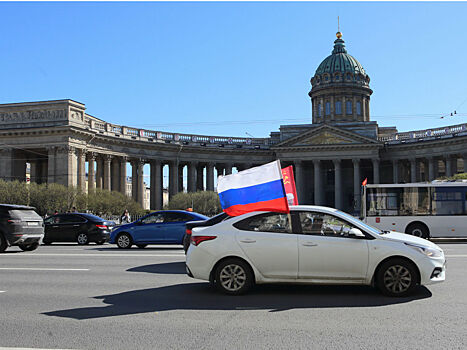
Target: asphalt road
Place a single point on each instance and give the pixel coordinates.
(100, 297)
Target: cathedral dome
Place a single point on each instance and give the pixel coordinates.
(340, 67)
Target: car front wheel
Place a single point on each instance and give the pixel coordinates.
(82, 239)
(124, 241)
(29, 247)
(397, 278)
(233, 276)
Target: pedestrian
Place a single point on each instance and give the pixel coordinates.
(125, 218)
(73, 210)
(56, 212)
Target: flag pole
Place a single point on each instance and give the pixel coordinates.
(285, 194)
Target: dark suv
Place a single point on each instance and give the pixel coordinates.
(20, 225)
(77, 227)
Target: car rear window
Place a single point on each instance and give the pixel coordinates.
(24, 214)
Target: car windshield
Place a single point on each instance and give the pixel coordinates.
(361, 223)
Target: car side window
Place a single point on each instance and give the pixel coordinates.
(324, 225)
(49, 220)
(177, 217)
(271, 222)
(155, 218)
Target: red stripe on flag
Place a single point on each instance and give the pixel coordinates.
(278, 205)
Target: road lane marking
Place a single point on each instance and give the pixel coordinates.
(100, 255)
(456, 256)
(2, 291)
(40, 269)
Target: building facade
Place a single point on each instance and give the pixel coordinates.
(331, 156)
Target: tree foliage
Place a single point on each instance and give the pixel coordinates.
(461, 176)
(47, 198)
(203, 202)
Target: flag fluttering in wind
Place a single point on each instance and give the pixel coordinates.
(365, 182)
(255, 189)
(289, 185)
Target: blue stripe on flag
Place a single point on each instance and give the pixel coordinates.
(252, 194)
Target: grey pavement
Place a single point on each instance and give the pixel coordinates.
(100, 297)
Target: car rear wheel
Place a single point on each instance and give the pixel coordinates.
(418, 230)
(124, 241)
(29, 247)
(3, 244)
(141, 246)
(233, 276)
(82, 239)
(397, 278)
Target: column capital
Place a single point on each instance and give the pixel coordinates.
(375, 160)
(356, 161)
(107, 158)
(337, 161)
(317, 161)
(91, 156)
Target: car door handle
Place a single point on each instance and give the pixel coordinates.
(75, 225)
(54, 226)
(247, 240)
(309, 244)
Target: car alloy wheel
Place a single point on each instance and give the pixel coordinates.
(397, 277)
(29, 247)
(233, 276)
(82, 239)
(124, 241)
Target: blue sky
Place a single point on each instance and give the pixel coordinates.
(232, 68)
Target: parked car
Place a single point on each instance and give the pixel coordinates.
(20, 226)
(160, 227)
(204, 223)
(77, 227)
(311, 245)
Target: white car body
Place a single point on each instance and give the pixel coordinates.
(305, 258)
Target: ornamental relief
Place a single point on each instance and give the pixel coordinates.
(27, 116)
(326, 138)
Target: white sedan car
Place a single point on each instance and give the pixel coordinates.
(315, 245)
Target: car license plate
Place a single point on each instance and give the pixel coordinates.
(33, 223)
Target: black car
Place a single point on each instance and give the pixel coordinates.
(21, 226)
(77, 227)
(204, 223)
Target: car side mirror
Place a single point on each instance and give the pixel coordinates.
(355, 232)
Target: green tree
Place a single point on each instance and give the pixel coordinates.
(203, 202)
(461, 176)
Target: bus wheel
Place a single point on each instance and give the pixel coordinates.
(418, 230)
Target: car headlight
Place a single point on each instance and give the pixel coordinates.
(430, 252)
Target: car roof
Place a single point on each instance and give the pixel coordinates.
(16, 206)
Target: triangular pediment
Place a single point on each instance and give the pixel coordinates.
(326, 135)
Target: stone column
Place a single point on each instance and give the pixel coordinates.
(344, 111)
(200, 177)
(134, 180)
(210, 177)
(51, 165)
(364, 110)
(228, 169)
(81, 154)
(333, 110)
(156, 185)
(431, 169)
(356, 183)
(115, 183)
(337, 184)
(99, 171)
(44, 167)
(454, 164)
(354, 107)
(191, 172)
(315, 110)
(107, 172)
(413, 170)
(122, 175)
(299, 181)
(375, 171)
(323, 110)
(318, 183)
(91, 173)
(464, 158)
(448, 166)
(180, 177)
(395, 171)
(173, 178)
(141, 186)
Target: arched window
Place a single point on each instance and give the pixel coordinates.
(338, 107)
(359, 108)
(348, 107)
(328, 108)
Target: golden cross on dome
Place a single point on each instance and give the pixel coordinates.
(338, 34)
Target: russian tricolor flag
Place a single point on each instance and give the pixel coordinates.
(256, 189)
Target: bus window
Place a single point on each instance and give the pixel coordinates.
(405, 201)
(448, 201)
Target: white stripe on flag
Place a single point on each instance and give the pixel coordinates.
(250, 177)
